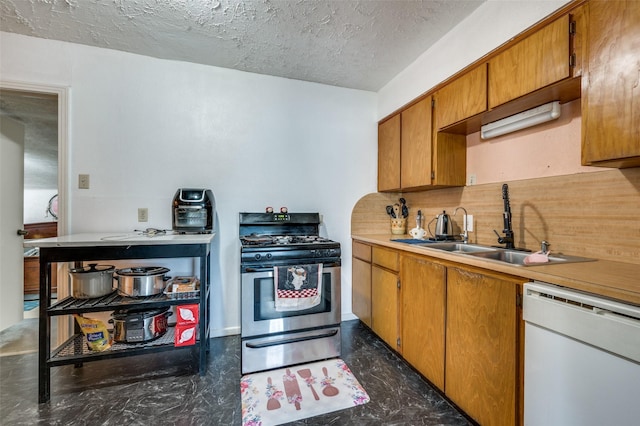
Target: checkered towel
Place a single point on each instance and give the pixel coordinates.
(297, 287)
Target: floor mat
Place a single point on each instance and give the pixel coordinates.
(30, 304)
(288, 394)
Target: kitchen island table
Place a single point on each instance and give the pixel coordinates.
(93, 247)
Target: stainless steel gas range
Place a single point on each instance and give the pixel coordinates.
(290, 291)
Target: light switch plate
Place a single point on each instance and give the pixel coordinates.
(143, 215)
(83, 181)
(468, 222)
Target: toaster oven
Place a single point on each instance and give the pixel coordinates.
(193, 211)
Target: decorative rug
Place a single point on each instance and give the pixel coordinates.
(288, 394)
(30, 304)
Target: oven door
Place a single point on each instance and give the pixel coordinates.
(259, 315)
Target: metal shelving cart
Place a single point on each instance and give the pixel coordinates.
(96, 247)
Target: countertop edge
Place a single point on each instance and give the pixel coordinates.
(621, 282)
(118, 239)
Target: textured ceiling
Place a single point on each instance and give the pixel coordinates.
(359, 44)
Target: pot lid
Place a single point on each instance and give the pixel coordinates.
(93, 267)
(142, 271)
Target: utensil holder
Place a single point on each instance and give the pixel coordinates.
(399, 226)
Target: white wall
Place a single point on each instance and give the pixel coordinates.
(143, 127)
(489, 26)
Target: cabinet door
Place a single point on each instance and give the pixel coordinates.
(464, 97)
(361, 290)
(423, 309)
(384, 305)
(610, 88)
(450, 160)
(481, 340)
(535, 62)
(389, 154)
(416, 149)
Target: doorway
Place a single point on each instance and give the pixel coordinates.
(43, 112)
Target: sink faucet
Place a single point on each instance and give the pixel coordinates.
(464, 235)
(508, 238)
(544, 246)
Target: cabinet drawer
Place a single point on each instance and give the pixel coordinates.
(362, 251)
(385, 258)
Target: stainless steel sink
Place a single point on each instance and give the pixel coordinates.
(514, 257)
(458, 247)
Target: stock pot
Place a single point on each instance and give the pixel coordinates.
(141, 281)
(91, 281)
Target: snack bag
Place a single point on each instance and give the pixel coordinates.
(95, 332)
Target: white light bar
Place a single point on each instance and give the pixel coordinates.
(532, 117)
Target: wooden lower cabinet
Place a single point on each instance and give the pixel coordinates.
(384, 305)
(423, 288)
(482, 345)
(361, 290)
(460, 327)
(32, 276)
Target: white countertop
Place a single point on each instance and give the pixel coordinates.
(119, 239)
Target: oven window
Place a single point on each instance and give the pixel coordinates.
(265, 305)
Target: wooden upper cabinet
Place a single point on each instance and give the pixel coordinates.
(611, 84)
(449, 160)
(389, 154)
(415, 170)
(464, 97)
(537, 61)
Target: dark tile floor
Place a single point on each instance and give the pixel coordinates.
(162, 388)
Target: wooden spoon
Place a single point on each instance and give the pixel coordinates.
(272, 403)
(329, 390)
(309, 379)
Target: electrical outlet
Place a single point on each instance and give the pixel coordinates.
(143, 215)
(83, 181)
(468, 222)
(472, 179)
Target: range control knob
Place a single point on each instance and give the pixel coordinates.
(269, 255)
(258, 256)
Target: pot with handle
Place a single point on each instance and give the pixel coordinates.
(91, 281)
(141, 281)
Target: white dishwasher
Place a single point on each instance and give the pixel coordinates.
(582, 359)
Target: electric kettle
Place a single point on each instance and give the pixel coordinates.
(444, 227)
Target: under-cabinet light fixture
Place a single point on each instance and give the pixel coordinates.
(529, 118)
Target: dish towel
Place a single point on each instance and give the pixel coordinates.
(297, 287)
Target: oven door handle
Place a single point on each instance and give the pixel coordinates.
(292, 340)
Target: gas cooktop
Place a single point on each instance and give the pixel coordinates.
(275, 240)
